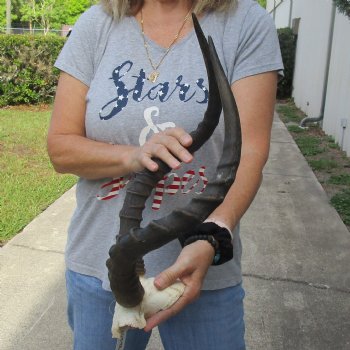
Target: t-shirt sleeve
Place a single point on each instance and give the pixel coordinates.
(77, 57)
(258, 49)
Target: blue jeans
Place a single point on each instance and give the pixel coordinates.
(213, 321)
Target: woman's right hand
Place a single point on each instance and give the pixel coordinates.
(72, 152)
(170, 146)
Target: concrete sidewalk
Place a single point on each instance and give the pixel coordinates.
(296, 266)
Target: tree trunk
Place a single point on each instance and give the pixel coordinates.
(8, 16)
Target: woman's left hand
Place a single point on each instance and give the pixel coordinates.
(190, 267)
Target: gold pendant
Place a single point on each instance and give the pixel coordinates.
(153, 76)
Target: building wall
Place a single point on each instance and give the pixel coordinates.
(337, 109)
(311, 63)
(311, 54)
(281, 14)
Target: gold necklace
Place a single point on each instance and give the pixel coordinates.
(155, 73)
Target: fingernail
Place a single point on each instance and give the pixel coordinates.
(187, 158)
(158, 282)
(176, 165)
(186, 138)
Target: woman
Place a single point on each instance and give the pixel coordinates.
(133, 85)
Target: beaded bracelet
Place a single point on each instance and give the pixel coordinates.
(209, 238)
(217, 236)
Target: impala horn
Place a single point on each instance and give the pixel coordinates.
(125, 263)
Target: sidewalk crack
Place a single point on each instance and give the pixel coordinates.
(37, 249)
(284, 142)
(290, 175)
(305, 283)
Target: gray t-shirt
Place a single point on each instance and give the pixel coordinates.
(123, 107)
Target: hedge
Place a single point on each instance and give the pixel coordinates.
(287, 42)
(27, 75)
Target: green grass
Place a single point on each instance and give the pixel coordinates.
(309, 145)
(334, 145)
(289, 113)
(329, 138)
(322, 164)
(331, 142)
(28, 182)
(343, 179)
(296, 129)
(341, 202)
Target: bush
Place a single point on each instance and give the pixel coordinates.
(27, 74)
(288, 45)
(343, 6)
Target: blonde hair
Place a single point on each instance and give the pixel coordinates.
(121, 8)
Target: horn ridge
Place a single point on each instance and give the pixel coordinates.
(137, 192)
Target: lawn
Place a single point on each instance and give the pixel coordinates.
(28, 182)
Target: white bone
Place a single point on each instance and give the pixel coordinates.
(153, 301)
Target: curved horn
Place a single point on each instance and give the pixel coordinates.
(133, 243)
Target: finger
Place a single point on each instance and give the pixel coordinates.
(169, 146)
(148, 163)
(191, 293)
(162, 316)
(160, 150)
(170, 275)
(156, 150)
(181, 135)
